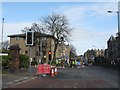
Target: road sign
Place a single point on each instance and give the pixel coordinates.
(43, 69)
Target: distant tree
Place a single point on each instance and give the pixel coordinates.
(6, 44)
(73, 53)
(35, 27)
(58, 26)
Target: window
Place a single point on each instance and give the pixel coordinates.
(17, 38)
(26, 52)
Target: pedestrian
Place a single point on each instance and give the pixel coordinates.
(73, 63)
(56, 62)
(78, 63)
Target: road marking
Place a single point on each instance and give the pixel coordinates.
(19, 81)
(15, 81)
(9, 83)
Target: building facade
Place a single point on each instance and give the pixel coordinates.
(43, 44)
(113, 48)
(95, 53)
(43, 49)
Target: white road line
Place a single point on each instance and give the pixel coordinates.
(19, 81)
(9, 83)
(16, 80)
(25, 80)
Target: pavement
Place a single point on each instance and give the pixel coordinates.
(18, 77)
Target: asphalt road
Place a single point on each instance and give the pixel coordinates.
(87, 77)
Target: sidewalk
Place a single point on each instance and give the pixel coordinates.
(15, 78)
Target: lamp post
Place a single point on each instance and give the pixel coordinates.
(2, 33)
(117, 18)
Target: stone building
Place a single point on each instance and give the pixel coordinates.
(43, 43)
(95, 53)
(113, 48)
(43, 46)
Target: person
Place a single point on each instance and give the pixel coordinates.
(59, 62)
(85, 61)
(70, 63)
(56, 62)
(78, 64)
(73, 63)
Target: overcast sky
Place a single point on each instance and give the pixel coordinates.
(91, 22)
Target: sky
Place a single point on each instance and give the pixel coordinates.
(92, 23)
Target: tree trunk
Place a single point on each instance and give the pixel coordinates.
(54, 53)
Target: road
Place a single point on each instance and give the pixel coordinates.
(87, 77)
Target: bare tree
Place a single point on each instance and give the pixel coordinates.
(56, 25)
(6, 44)
(35, 27)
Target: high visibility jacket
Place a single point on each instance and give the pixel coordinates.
(73, 62)
(56, 61)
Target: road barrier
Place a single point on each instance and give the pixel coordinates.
(47, 69)
(43, 69)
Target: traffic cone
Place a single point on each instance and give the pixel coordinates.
(52, 73)
(55, 71)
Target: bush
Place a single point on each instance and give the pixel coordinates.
(6, 61)
(24, 61)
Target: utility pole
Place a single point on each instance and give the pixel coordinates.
(30, 60)
(2, 33)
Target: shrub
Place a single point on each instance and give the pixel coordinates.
(24, 61)
(6, 61)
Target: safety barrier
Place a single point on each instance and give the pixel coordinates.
(47, 69)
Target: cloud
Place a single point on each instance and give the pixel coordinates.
(85, 34)
(80, 12)
(83, 39)
(14, 28)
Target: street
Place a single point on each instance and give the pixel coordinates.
(87, 77)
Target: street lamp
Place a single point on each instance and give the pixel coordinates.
(118, 18)
(2, 33)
